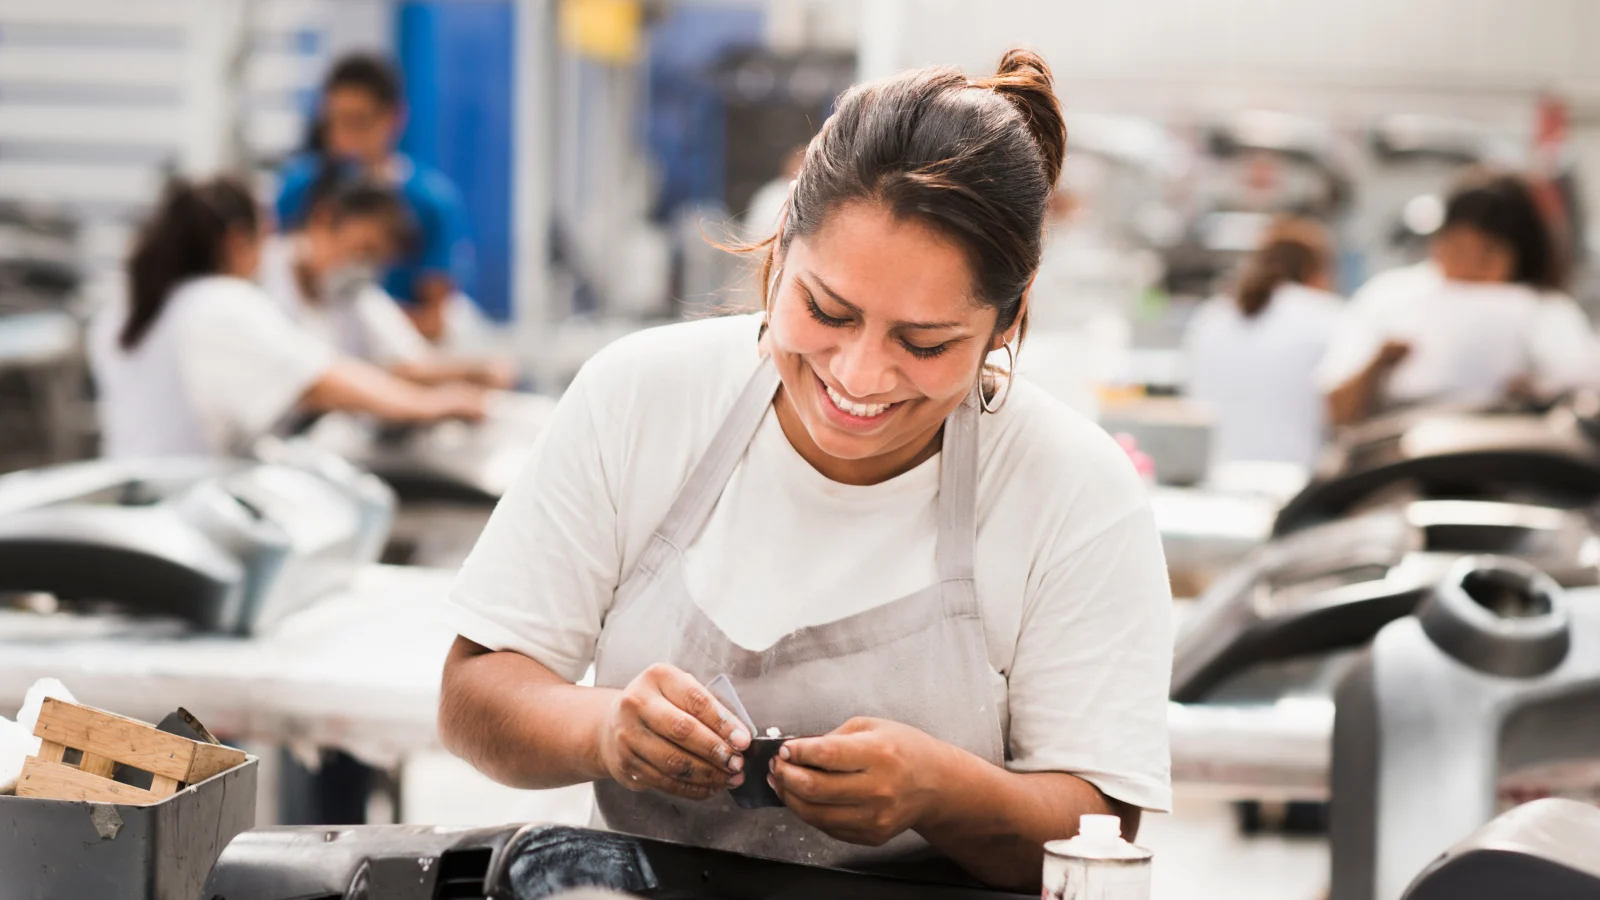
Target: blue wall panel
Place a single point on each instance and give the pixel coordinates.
(458, 65)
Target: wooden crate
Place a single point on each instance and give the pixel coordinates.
(105, 740)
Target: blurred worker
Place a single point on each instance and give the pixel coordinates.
(358, 126)
(767, 204)
(200, 361)
(1252, 356)
(322, 275)
(1485, 317)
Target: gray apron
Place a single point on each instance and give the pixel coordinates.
(920, 660)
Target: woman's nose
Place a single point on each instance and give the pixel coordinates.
(863, 369)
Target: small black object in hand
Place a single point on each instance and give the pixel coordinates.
(755, 793)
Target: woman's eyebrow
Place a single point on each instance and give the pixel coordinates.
(915, 326)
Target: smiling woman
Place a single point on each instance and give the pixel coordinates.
(964, 617)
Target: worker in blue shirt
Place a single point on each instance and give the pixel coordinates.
(358, 126)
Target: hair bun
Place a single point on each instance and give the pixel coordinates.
(1023, 78)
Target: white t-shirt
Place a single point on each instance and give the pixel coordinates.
(369, 325)
(1257, 374)
(1070, 574)
(220, 367)
(1469, 341)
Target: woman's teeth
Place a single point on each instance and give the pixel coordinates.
(862, 410)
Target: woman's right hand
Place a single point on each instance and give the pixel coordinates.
(666, 732)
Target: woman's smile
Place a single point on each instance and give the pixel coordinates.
(844, 412)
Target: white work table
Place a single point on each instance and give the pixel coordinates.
(360, 672)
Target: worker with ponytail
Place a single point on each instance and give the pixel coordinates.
(1252, 354)
(198, 361)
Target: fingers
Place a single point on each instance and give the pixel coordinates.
(823, 788)
(689, 733)
(854, 824)
(837, 752)
(683, 691)
(677, 763)
(640, 774)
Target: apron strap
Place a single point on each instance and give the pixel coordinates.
(700, 492)
(958, 475)
(958, 492)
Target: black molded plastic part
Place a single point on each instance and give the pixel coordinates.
(1317, 630)
(529, 862)
(1498, 874)
(1546, 478)
(755, 792)
(150, 583)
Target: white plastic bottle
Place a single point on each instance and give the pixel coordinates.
(1097, 864)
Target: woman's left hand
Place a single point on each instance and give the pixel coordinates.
(865, 782)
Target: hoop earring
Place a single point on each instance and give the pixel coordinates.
(1011, 369)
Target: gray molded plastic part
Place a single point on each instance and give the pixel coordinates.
(1544, 850)
(1421, 740)
(53, 849)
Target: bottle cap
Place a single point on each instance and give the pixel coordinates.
(1100, 828)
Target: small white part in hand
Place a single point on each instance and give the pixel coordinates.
(774, 731)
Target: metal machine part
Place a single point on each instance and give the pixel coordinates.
(1549, 459)
(528, 862)
(230, 546)
(452, 461)
(1496, 677)
(1544, 850)
(1308, 596)
(40, 263)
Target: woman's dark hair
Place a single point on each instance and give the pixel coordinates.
(1293, 251)
(975, 159)
(184, 238)
(343, 193)
(367, 72)
(1503, 207)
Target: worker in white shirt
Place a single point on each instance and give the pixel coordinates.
(1486, 316)
(198, 361)
(946, 585)
(324, 275)
(1251, 355)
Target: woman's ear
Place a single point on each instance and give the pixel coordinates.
(1011, 333)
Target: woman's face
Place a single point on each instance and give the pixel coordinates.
(1464, 253)
(241, 252)
(358, 125)
(878, 338)
(349, 241)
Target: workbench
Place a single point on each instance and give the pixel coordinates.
(360, 672)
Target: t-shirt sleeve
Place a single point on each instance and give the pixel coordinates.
(543, 573)
(1356, 340)
(1089, 682)
(390, 335)
(245, 364)
(1562, 345)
